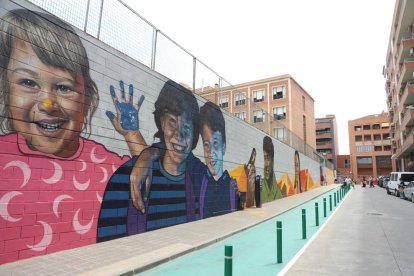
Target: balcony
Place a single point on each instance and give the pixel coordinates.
(377, 143)
(395, 116)
(405, 45)
(407, 70)
(387, 142)
(323, 135)
(329, 156)
(323, 145)
(364, 166)
(408, 94)
(408, 119)
(391, 116)
(407, 147)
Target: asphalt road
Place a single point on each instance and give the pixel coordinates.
(372, 233)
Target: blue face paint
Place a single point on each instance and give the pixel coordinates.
(214, 148)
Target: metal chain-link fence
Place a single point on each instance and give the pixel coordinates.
(116, 24)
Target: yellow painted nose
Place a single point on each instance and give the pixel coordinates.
(47, 104)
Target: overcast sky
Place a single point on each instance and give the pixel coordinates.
(334, 49)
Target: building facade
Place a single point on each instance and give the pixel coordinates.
(399, 87)
(279, 106)
(327, 138)
(370, 146)
(343, 165)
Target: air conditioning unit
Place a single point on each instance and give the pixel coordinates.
(412, 51)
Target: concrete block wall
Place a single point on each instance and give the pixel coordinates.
(62, 188)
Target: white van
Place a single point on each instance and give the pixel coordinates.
(395, 180)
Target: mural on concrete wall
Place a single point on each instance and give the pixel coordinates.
(62, 189)
(169, 185)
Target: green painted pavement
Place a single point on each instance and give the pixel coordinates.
(254, 249)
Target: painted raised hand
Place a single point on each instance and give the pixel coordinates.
(126, 118)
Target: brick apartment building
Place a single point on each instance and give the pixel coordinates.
(343, 165)
(370, 146)
(399, 86)
(279, 106)
(327, 138)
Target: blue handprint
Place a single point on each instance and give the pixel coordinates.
(127, 114)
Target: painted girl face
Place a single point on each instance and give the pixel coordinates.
(178, 137)
(46, 103)
(214, 149)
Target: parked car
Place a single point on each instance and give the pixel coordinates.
(409, 191)
(396, 178)
(383, 181)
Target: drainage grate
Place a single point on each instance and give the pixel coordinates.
(374, 214)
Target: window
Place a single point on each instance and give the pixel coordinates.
(364, 160)
(278, 92)
(384, 160)
(258, 116)
(279, 112)
(303, 103)
(367, 137)
(258, 95)
(387, 148)
(368, 148)
(367, 127)
(377, 137)
(304, 129)
(357, 128)
(224, 101)
(358, 148)
(241, 115)
(240, 98)
(358, 138)
(376, 126)
(347, 163)
(280, 133)
(377, 148)
(385, 136)
(385, 125)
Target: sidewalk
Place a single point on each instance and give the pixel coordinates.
(370, 234)
(136, 253)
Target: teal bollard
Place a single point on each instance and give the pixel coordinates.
(330, 203)
(279, 241)
(228, 260)
(334, 199)
(316, 214)
(304, 224)
(324, 207)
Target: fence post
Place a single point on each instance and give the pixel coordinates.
(86, 16)
(100, 20)
(154, 48)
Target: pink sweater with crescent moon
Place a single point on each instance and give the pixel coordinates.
(48, 204)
